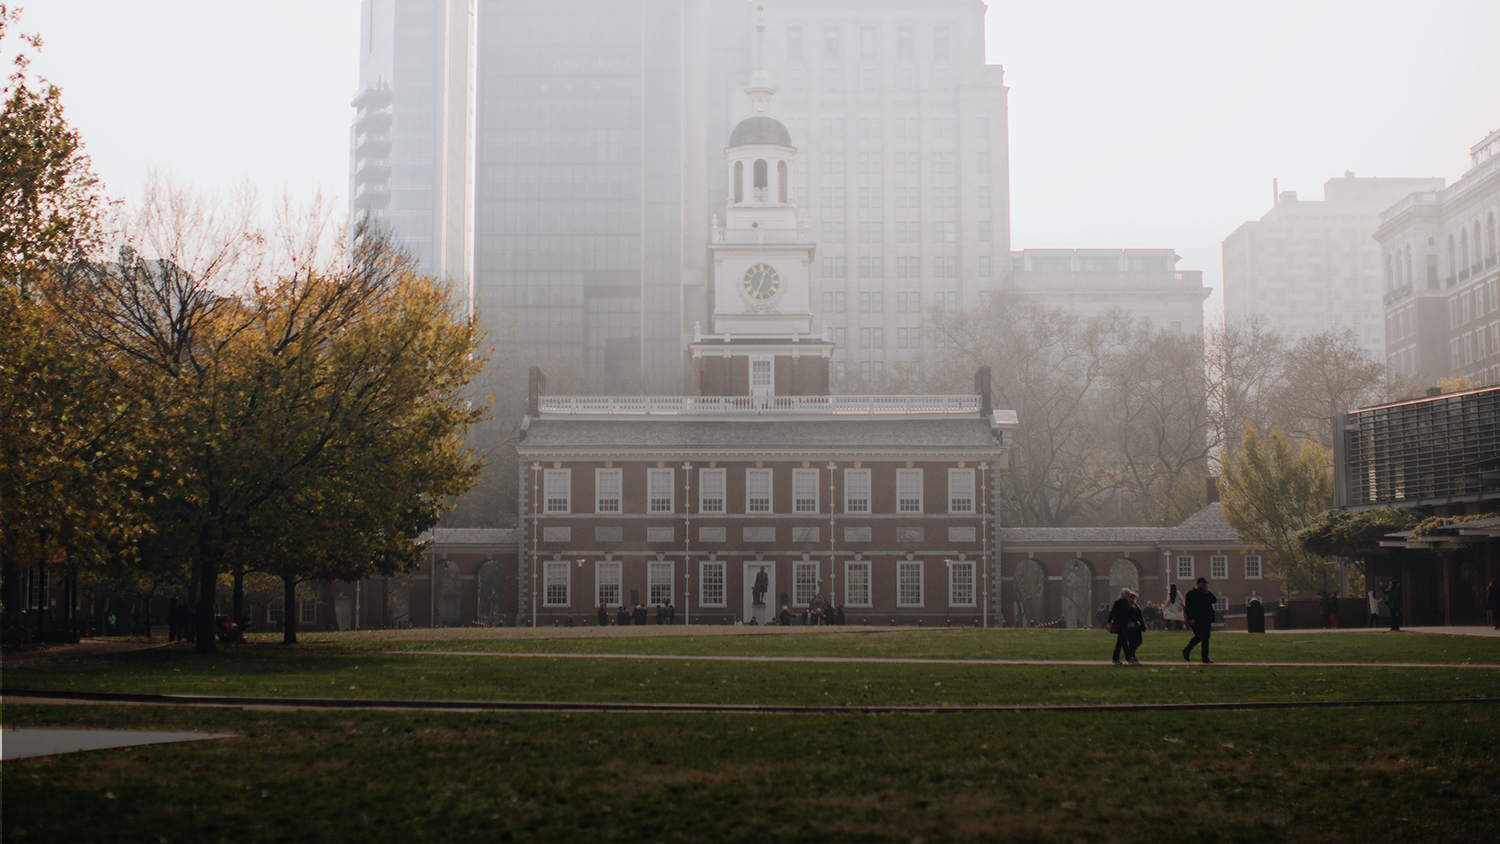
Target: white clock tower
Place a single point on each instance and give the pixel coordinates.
(761, 339)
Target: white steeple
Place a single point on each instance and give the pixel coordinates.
(760, 90)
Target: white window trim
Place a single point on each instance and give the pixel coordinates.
(548, 570)
(703, 568)
(770, 490)
(600, 568)
(619, 475)
(654, 475)
(723, 476)
(973, 570)
(1177, 566)
(849, 566)
(1212, 561)
(797, 499)
(1260, 567)
(973, 491)
(653, 569)
(921, 567)
(800, 566)
(549, 491)
(909, 473)
(866, 474)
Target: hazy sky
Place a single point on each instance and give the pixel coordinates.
(1139, 124)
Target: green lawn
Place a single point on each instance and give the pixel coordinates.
(923, 644)
(1409, 772)
(1388, 774)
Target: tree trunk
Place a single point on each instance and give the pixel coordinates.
(239, 593)
(288, 611)
(207, 577)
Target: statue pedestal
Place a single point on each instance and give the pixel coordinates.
(761, 614)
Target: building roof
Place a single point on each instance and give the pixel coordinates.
(760, 129)
(1205, 526)
(829, 433)
(1081, 536)
(472, 536)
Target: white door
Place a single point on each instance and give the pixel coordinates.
(762, 377)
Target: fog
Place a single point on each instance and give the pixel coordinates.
(1130, 125)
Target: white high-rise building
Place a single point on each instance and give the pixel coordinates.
(1309, 265)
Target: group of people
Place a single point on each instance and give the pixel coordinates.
(665, 614)
(1128, 622)
(812, 616)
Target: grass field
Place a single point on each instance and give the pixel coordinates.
(1407, 773)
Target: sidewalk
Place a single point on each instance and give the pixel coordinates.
(25, 743)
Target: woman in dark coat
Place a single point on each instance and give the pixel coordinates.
(1127, 622)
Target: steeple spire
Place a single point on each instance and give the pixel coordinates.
(760, 90)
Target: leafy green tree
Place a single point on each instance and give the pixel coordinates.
(1270, 493)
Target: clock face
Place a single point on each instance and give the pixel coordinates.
(761, 282)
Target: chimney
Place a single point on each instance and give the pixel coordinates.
(536, 386)
(1211, 488)
(982, 388)
(1275, 194)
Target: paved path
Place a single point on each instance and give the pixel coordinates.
(343, 704)
(23, 743)
(876, 660)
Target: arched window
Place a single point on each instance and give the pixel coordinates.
(1463, 251)
(1489, 237)
(739, 182)
(1478, 255)
(1396, 271)
(1408, 280)
(781, 189)
(1390, 276)
(1452, 259)
(760, 172)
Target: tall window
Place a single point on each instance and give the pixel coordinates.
(757, 490)
(857, 584)
(607, 490)
(905, 50)
(908, 490)
(659, 582)
(711, 490)
(804, 490)
(739, 181)
(557, 490)
(781, 181)
(856, 490)
(960, 490)
(831, 43)
(940, 43)
(711, 584)
(308, 610)
(1218, 567)
(867, 43)
(659, 486)
(761, 375)
(804, 583)
(555, 584)
(794, 43)
(909, 584)
(607, 584)
(1252, 567)
(961, 583)
(1184, 567)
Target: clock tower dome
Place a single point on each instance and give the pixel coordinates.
(762, 262)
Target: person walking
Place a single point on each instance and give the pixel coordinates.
(1172, 612)
(1198, 607)
(1126, 622)
(1329, 610)
(1492, 602)
(603, 615)
(671, 614)
(1393, 600)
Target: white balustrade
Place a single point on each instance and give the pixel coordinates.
(712, 405)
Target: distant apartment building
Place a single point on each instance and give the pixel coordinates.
(1308, 266)
(410, 165)
(597, 145)
(1441, 273)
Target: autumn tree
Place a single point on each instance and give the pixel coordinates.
(1271, 491)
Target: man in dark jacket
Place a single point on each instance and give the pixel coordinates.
(1199, 610)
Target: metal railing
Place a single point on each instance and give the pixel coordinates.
(711, 405)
